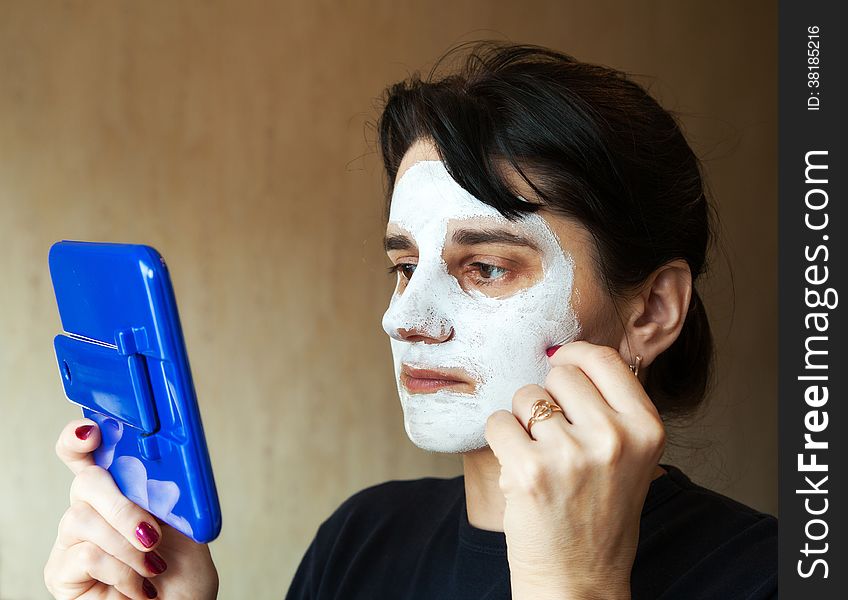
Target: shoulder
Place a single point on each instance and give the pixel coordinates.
(681, 501)
(426, 487)
(418, 491)
(360, 545)
(709, 540)
(388, 502)
(388, 515)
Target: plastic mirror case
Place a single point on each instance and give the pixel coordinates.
(122, 358)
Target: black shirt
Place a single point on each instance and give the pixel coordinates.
(412, 539)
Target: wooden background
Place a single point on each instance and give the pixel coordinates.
(232, 136)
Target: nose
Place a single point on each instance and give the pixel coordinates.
(406, 324)
(413, 335)
(416, 315)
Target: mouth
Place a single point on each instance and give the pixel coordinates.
(427, 381)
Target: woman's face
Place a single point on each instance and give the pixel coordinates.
(479, 299)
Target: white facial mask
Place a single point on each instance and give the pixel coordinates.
(500, 342)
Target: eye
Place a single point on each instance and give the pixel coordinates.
(405, 269)
(488, 273)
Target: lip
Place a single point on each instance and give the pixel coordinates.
(427, 381)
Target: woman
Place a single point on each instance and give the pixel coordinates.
(547, 224)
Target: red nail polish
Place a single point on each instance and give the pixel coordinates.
(84, 431)
(155, 563)
(550, 351)
(148, 588)
(146, 534)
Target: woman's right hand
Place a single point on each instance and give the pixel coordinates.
(109, 547)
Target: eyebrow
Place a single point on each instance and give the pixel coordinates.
(465, 237)
(471, 237)
(398, 242)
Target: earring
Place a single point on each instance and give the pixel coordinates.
(635, 367)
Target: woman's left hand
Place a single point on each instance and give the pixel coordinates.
(575, 489)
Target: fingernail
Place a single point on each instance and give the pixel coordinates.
(84, 431)
(146, 534)
(155, 563)
(550, 351)
(148, 588)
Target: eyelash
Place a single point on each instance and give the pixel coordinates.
(490, 280)
(399, 267)
(481, 281)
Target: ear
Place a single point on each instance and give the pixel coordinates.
(655, 315)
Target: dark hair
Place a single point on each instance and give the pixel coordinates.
(594, 146)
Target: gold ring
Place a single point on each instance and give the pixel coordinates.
(542, 409)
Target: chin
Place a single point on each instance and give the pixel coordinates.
(453, 442)
(446, 421)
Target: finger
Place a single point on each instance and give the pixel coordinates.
(82, 523)
(507, 437)
(550, 428)
(580, 400)
(84, 562)
(96, 487)
(78, 440)
(609, 373)
(101, 591)
(70, 579)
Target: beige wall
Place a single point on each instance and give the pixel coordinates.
(230, 137)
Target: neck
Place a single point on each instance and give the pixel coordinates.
(484, 500)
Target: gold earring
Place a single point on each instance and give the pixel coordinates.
(635, 367)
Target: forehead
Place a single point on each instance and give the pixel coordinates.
(428, 203)
(426, 193)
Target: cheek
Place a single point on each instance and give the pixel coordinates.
(540, 314)
(506, 331)
(599, 321)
